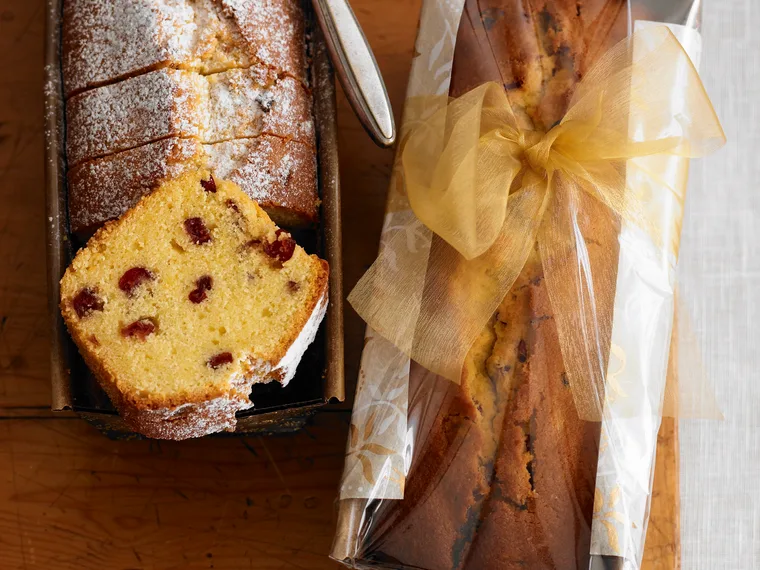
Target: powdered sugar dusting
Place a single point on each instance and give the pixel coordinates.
(287, 366)
(275, 31)
(133, 112)
(241, 104)
(264, 171)
(165, 103)
(277, 173)
(103, 189)
(145, 121)
(291, 112)
(191, 420)
(108, 40)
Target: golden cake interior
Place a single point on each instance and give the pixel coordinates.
(210, 296)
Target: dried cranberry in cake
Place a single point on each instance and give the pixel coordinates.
(86, 302)
(282, 247)
(522, 351)
(140, 329)
(202, 284)
(209, 185)
(133, 278)
(197, 231)
(237, 216)
(219, 360)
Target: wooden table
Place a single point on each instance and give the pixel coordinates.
(70, 498)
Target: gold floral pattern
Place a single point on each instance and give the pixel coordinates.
(605, 514)
(375, 465)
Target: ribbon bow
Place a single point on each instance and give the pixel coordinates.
(494, 193)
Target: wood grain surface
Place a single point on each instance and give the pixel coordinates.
(69, 498)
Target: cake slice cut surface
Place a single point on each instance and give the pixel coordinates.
(186, 301)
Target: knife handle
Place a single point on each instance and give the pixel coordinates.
(357, 69)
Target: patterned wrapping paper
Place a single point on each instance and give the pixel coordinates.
(382, 441)
(377, 459)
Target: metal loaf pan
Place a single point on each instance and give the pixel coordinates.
(320, 375)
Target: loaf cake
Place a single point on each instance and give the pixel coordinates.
(156, 88)
(504, 478)
(189, 299)
(105, 41)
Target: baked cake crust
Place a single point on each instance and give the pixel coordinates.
(279, 174)
(169, 103)
(105, 41)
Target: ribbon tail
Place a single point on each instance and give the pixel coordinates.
(389, 294)
(579, 251)
(689, 392)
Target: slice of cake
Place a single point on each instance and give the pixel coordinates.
(186, 301)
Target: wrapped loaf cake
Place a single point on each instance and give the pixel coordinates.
(174, 85)
(503, 477)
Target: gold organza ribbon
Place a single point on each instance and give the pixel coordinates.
(492, 191)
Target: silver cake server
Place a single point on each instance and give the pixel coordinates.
(357, 69)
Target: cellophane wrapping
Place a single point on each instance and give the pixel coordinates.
(499, 471)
